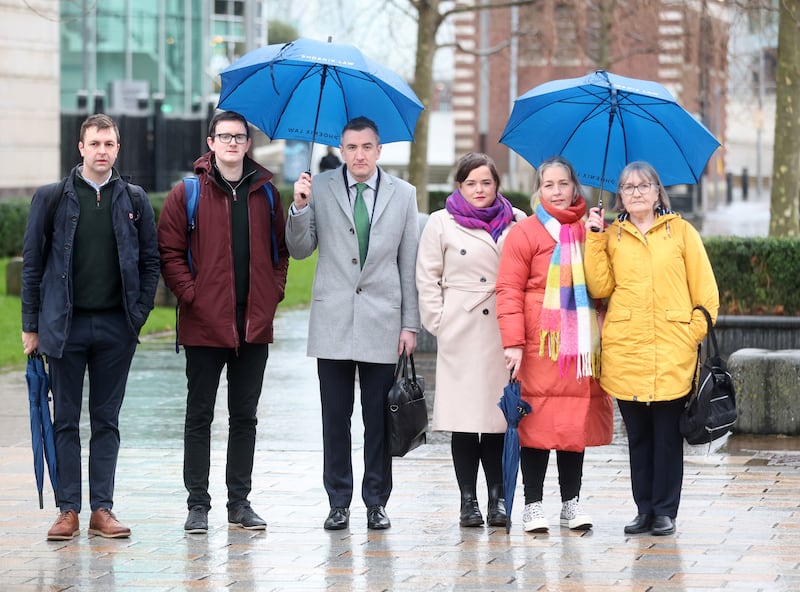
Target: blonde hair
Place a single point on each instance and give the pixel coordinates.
(549, 163)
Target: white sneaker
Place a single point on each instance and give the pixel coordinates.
(533, 519)
(572, 517)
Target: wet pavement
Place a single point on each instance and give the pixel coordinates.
(738, 527)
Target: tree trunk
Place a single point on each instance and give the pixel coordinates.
(428, 24)
(785, 198)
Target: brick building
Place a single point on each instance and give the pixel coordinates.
(680, 44)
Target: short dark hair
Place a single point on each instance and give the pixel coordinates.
(471, 161)
(227, 116)
(359, 124)
(100, 121)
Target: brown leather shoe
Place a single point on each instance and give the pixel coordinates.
(103, 523)
(65, 527)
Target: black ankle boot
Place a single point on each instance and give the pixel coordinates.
(496, 516)
(470, 511)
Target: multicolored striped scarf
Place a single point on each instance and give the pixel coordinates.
(493, 219)
(570, 330)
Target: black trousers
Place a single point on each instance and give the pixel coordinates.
(655, 448)
(245, 374)
(533, 462)
(104, 344)
(470, 450)
(337, 394)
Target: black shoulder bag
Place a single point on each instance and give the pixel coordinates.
(407, 410)
(711, 410)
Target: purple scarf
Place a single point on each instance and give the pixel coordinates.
(492, 219)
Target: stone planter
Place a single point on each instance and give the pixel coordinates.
(767, 387)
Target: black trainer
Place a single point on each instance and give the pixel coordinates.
(197, 521)
(245, 517)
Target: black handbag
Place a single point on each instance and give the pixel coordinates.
(711, 410)
(407, 410)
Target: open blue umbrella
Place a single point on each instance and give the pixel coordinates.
(514, 408)
(308, 90)
(601, 122)
(42, 440)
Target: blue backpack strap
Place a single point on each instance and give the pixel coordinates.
(191, 187)
(273, 237)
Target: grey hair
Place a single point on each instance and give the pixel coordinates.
(646, 171)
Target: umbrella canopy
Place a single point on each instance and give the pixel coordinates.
(601, 122)
(308, 90)
(514, 409)
(42, 440)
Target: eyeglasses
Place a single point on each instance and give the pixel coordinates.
(642, 187)
(226, 138)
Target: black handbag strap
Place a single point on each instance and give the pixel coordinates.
(711, 338)
(711, 341)
(401, 369)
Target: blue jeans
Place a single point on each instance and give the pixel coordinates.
(103, 343)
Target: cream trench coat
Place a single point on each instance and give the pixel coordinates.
(456, 272)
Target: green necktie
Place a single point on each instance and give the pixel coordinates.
(361, 219)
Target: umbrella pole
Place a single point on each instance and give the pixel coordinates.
(611, 113)
(322, 78)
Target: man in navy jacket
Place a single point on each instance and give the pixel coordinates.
(89, 276)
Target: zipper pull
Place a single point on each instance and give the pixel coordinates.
(233, 189)
(98, 198)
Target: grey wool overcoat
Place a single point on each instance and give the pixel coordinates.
(357, 314)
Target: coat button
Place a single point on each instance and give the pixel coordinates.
(358, 290)
(483, 279)
(354, 261)
(486, 311)
(463, 251)
(352, 231)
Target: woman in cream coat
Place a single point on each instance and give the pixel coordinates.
(457, 261)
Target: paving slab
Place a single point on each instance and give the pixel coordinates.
(738, 528)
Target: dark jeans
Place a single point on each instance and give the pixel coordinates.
(469, 450)
(533, 462)
(103, 343)
(655, 448)
(337, 392)
(245, 374)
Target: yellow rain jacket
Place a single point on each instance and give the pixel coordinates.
(652, 282)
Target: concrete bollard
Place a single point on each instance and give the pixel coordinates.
(14, 277)
(163, 295)
(767, 390)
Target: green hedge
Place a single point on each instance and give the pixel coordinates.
(756, 276)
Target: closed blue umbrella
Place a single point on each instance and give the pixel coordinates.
(514, 408)
(42, 440)
(308, 90)
(601, 122)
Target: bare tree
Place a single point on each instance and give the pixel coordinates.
(430, 16)
(785, 197)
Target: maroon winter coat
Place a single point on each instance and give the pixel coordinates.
(207, 315)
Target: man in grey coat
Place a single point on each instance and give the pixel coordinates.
(364, 309)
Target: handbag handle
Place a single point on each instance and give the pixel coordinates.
(711, 341)
(711, 338)
(402, 366)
